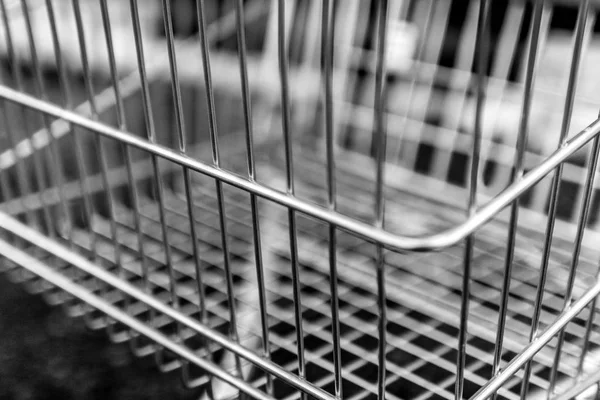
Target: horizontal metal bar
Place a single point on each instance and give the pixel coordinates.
(117, 177)
(387, 239)
(130, 84)
(538, 343)
(42, 270)
(59, 128)
(12, 225)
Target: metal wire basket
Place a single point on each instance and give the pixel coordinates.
(326, 199)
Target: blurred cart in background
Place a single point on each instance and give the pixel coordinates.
(326, 199)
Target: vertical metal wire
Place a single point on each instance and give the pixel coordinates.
(214, 141)
(308, 57)
(268, 58)
(282, 51)
(581, 225)
(553, 201)
(539, 196)
(160, 355)
(180, 129)
(212, 114)
(64, 225)
(55, 166)
(588, 331)
(37, 161)
(344, 75)
(182, 142)
(78, 152)
(260, 275)
(517, 173)
(584, 212)
(482, 50)
(380, 138)
(151, 136)
(68, 103)
(589, 325)
(327, 58)
(87, 77)
(188, 192)
(122, 125)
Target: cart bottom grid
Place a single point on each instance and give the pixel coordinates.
(423, 289)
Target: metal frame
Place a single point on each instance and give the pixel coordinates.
(61, 242)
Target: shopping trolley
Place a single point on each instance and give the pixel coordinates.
(312, 199)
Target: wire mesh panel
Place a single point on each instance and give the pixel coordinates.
(326, 199)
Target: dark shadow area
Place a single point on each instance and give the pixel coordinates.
(46, 355)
